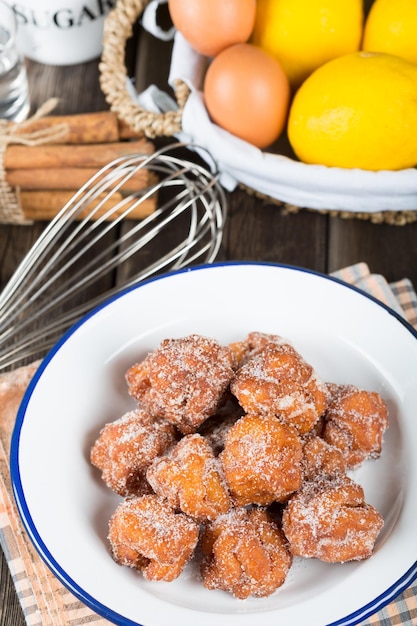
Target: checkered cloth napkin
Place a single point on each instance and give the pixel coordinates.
(44, 600)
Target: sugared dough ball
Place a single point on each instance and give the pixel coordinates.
(277, 380)
(262, 460)
(245, 553)
(356, 421)
(191, 479)
(148, 535)
(126, 447)
(321, 458)
(328, 519)
(183, 380)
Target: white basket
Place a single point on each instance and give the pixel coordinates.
(383, 196)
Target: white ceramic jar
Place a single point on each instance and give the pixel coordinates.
(61, 32)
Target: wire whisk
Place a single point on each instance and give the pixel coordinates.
(91, 250)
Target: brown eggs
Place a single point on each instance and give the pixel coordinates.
(247, 93)
(212, 25)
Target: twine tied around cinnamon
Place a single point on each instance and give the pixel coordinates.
(14, 133)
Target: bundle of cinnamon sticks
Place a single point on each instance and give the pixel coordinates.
(48, 174)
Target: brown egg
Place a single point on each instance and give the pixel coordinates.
(212, 25)
(247, 93)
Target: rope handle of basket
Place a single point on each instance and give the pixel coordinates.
(118, 28)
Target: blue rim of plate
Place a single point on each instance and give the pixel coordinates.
(350, 620)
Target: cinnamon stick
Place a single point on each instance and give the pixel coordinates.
(70, 178)
(127, 132)
(80, 128)
(62, 155)
(44, 205)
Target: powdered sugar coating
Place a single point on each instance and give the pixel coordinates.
(125, 448)
(356, 421)
(245, 554)
(262, 460)
(277, 380)
(320, 458)
(145, 533)
(328, 519)
(183, 380)
(191, 479)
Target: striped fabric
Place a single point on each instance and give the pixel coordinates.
(44, 600)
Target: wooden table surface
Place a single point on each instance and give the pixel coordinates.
(256, 229)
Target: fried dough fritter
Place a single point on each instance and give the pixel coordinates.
(183, 380)
(191, 479)
(355, 422)
(328, 519)
(146, 534)
(126, 447)
(245, 553)
(277, 380)
(320, 458)
(261, 460)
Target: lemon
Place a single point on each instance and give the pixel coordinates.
(304, 34)
(391, 27)
(357, 111)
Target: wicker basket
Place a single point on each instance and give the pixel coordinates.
(118, 28)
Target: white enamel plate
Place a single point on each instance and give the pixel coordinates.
(347, 337)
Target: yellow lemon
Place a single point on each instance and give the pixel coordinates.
(357, 111)
(391, 27)
(304, 34)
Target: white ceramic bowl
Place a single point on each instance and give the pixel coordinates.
(347, 336)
